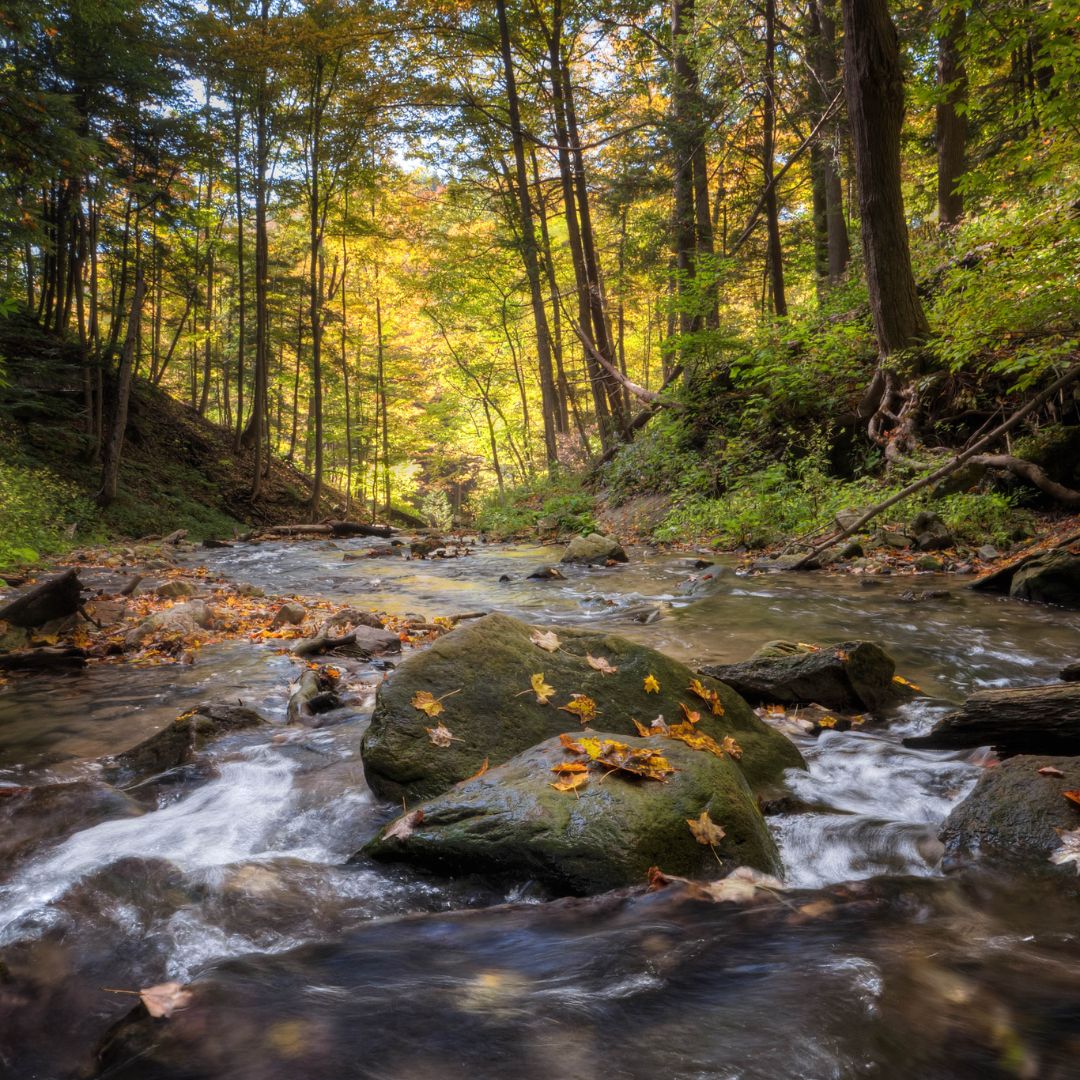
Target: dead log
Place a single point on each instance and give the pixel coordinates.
(1024, 720)
(333, 528)
(55, 598)
(314, 694)
(950, 466)
(51, 658)
(175, 537)
(1029, 471)
(363, 643)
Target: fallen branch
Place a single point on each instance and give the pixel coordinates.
(46, 659)
(1029, 471)
(949, 467)
(333, 528)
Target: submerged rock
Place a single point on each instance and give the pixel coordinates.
(482, 672)
(852, 675)
(602, 835)
(594, 549)
(177, 743)
(33, 817)
(1014, 812)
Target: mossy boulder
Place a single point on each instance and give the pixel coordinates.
(849, 676)
(1014, 812)
(593, 550)
(600, 836)
(482, 669)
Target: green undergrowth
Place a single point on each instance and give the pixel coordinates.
(558, 503)
(765, 442)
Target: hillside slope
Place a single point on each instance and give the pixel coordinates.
(178, 470)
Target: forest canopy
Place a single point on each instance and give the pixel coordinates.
(428, 252)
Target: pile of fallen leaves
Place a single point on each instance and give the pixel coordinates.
(607, 756)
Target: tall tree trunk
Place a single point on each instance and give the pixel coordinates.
(241, 329)
(597, 382)
(774, 252)
(316, 282)
(874, 84)
(832, 248)
(951, 123)
(528, 243)
(114, 443)
(682, 146)
(257, 425)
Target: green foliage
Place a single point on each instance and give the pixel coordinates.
(38, 511)
(435, 508)
(558, 502)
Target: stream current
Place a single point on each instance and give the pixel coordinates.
(238, 877)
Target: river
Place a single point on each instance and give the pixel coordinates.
(308, 965)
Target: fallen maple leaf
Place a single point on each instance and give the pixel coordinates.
(1069, 852)
(711, 696)
(441, 735)
(163, 1000)
(403, 828)
(571, 782)
(651, 685)
(739, 887)
(569, 744)
(827, 722)
(601, 664)
(1049, 770)
(642, 730)
(691, 716)
(541, 689)
(479, 772)
(705, 830)
(730, 746)
(428, 704)
(1072, 796)
(582, 706)
(570, 767)
(545, 639)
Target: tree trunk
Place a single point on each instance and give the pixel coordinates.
(774, 252)
(874, 82)
(113, 446)
(951, 122)
(238, 180)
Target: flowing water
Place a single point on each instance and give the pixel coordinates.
(237, 875)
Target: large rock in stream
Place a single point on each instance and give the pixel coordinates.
(602, 835)
(1015, 813)
(849, 676)
(594, 550)
(1046, 577)
(482, 671)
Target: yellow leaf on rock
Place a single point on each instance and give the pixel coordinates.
(571, 782)
(570, 767)
(691, 716)
(581, 706)
(541, 689)
(705, 830)
(427, 703)
(905, 682)
(569, 744)
(642, 730)
(601, 664)
(545, 639)
(730, 746)
(651, 685)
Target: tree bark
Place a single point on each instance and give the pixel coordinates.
(951, 123)
(114, 443)
(528, 242)
(774, 252)
(874, 83)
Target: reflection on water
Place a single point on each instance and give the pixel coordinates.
(916, 977)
